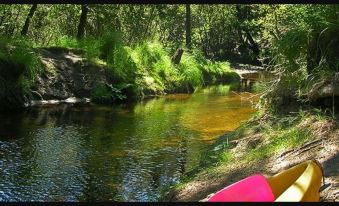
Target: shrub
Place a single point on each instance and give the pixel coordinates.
(19, 68)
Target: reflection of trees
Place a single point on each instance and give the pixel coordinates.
(106, 132)
(58, 157)
(215, 113)
(47, 165)
(103, 153)
(149, 165)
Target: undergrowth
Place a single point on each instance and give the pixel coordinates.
(147, 66)
(19, 68)
(278, 133)
(138, 71)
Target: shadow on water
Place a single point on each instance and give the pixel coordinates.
(102, 153)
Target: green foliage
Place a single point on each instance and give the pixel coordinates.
(113, 52)
(107, 47)
(280, 139)
(19, 51)
(155, 69)
(302, 39)
(190, 70)
(147, 66)
(19, 68)
(19, 62)
(109, 93)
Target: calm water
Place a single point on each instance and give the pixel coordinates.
(103, 153)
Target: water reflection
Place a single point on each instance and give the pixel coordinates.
(101, 153)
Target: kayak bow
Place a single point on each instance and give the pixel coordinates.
(299, 183)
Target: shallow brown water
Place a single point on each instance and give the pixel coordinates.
(102, 153)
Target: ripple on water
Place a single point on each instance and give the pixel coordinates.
(54, 167)
(96, 153)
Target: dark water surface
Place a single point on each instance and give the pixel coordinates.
(103, 153)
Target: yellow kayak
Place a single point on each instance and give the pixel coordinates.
(300, 183)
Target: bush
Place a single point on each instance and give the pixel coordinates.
(19, 68)
(146, 68)
(156, 73)
(191, 71)
(108, 93)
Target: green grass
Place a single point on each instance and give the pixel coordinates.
(154, 68)
(148, 64)
(146, 67)
(18, 51)
(157, 73)
(279, 133)
(19, 68)
(190, 70)
(280, 140)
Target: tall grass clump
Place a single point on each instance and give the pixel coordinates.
(303, 57)
(146, 67)
(19, 68)
(107, 47)
(156, 73)
(214, 71)
(117, 57)
(191, 72)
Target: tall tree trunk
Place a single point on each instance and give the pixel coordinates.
(82, 22)
(28, 19)
(177, 56)
(254, 46)
(242, 13)
(313, 52)
(188, 26)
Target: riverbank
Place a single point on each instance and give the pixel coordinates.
(266, 144)
(100, 73)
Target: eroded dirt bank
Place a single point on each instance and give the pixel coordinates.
(67, 74)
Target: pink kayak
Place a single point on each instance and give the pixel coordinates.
(251, 189)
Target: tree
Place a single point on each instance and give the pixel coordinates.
(28, 19)
(188, 26)
(245, 27)
(82, 22)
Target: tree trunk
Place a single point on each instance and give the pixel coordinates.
(177, 56)
(188, 26)
(254, 46)
(28, 19)
(313, 53)
(82, 22)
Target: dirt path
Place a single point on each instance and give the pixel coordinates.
(324, 148)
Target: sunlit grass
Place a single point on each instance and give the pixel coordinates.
(278, 134)
(19, 69)
(280, 140)
(146, 67)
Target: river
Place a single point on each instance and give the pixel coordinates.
(130, 152)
